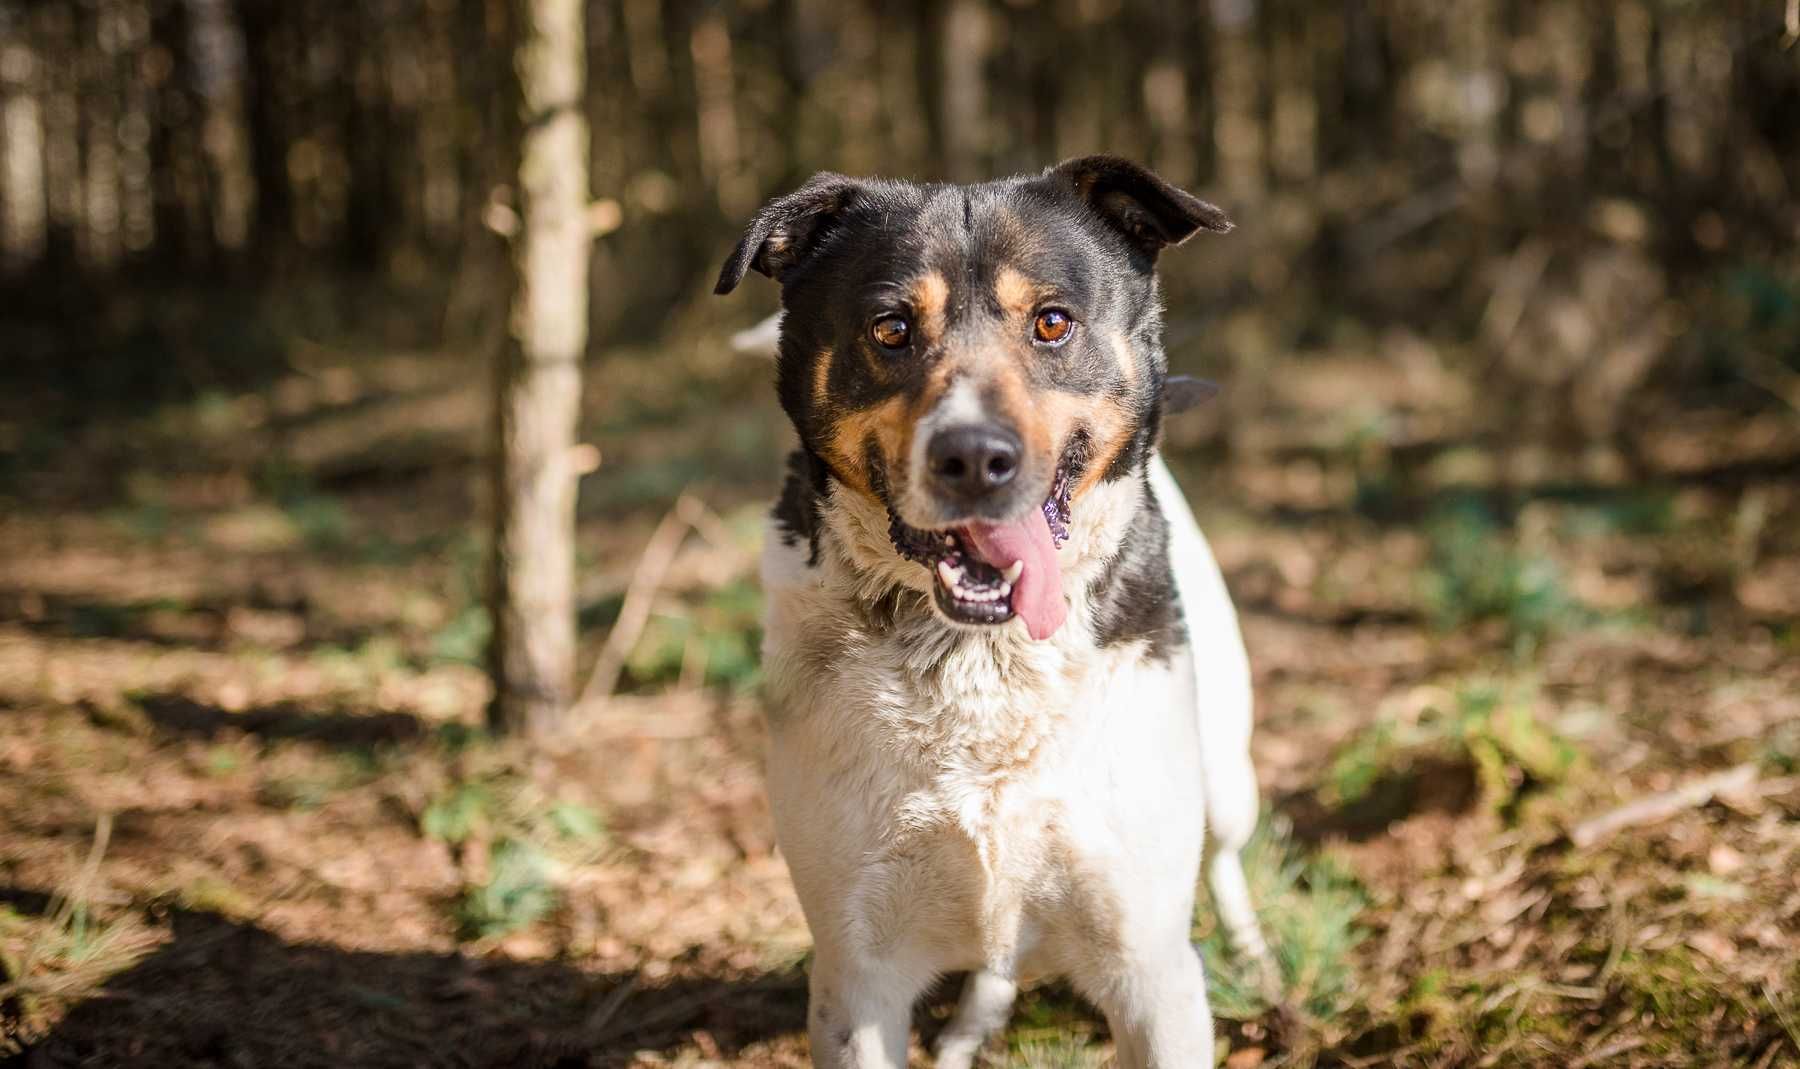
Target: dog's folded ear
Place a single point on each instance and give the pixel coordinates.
(1183, 392)
(1150, 212)
(787, 229)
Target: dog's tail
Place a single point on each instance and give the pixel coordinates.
(1221, 667)
(764, 339)
(1223, 706)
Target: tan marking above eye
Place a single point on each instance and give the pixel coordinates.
(891, 332)
(1053, 326)
(1016, 293)
(931, 295)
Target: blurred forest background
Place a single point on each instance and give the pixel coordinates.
(1505, 478)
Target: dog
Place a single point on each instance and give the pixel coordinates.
(1007, 695)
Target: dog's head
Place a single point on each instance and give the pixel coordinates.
(975, 359)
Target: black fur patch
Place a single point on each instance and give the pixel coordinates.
(798, 511)
(878, 474)
(1134, 596)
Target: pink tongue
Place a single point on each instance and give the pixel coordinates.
(1037, 597)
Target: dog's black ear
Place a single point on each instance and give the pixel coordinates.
(787, 228)
(1150, 212)
(1182, 392)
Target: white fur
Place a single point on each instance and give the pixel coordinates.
(951, 797)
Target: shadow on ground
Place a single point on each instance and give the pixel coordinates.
(223, 993)
(194, 625)
(179, 715)
(1426, 785)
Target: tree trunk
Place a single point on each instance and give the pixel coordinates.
(963, 44)
(538, 380)
(1203, 93)
(370, 215)
(267, 43)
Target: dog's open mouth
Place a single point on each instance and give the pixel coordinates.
(987, 573)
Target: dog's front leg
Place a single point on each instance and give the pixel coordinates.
(1156, 1008)
(987, 1000)
(860, 1012)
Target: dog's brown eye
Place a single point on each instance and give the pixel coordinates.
(1053, 326)
(890, 332)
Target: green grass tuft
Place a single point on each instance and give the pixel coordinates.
(457, 814)
(531, 838)
(57, 957)
(463, 639)
(1056, 1054)
(1487, 726)
(519, 890)
(1309, 909)
(1477, 574)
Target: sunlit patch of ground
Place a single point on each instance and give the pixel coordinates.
(247, 815)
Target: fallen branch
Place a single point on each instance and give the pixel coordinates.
(1655, 808)
(653, 565)
(617, 724)
(710, 526)
(610, 1005)
(1608, 1052)
(1767, 374)
(1511, 296)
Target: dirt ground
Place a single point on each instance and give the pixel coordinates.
(247, 817)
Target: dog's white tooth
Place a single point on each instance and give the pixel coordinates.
(1013, 571)
(1006, 590)
(950, 574)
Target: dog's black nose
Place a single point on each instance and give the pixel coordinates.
(968, 461)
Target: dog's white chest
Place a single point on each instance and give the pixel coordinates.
(960, 802)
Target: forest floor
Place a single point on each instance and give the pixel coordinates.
(248, 818)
